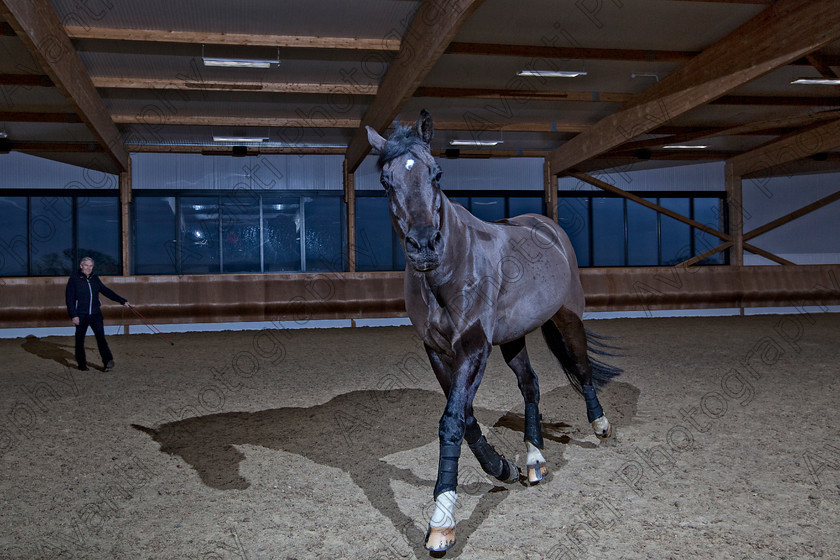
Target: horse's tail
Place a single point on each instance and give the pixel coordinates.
(602, 372)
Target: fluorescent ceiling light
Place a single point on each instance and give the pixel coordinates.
(552, 73)
(240, 139)
(238, 62)
(818, 81)
(683, 147)
(475, 142)
(239, 56)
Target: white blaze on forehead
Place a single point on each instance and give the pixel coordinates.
(409, 163)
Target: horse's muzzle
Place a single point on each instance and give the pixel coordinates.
(423, 248)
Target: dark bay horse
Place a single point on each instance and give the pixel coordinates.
(470, 285)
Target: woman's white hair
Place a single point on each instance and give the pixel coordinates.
(86, 259)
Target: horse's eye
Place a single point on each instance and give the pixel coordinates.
(384, 181)
(438, 175)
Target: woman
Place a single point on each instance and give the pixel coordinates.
(82, 296)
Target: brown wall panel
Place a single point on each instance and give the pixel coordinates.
(39, 302)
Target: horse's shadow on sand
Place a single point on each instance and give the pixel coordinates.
(354, 431)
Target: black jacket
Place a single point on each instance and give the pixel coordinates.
(82, 294)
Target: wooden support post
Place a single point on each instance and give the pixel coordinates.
(550, 184)
(350, 201)
(734, 200)
(125, 219)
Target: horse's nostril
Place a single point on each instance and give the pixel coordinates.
(412, 243)
(435, 240)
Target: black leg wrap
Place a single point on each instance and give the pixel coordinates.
(473, 432)
(533, 425)
(447, 469)
(490, 461)
(593, 407)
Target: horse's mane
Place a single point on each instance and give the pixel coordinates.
(403, 139)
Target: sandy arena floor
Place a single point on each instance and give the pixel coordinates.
(311, 444)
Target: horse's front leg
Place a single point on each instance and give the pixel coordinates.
(459, 376)
(516, 357)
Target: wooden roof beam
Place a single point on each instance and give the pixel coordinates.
(297, 122)
(570, 53)
(815, 140)
(244, 86)
(747, 53)
(37, 25)
(37, 116)
(26, 80)
(429, 33)
(755, 128)
(244, 39)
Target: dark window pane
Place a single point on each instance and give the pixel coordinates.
(155, 235)
(488, 208)
(462, 200)
(573, 216)
(524, 205)
(676, 235)
(323, 234)
(374, 234)
(51, 235)
(200, 235)
(99, 233)
(241, 232)
(281, 234)
(13, 249)
(608, 231)
(709, 212)
(642, 239)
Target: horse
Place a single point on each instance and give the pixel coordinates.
(470, 285)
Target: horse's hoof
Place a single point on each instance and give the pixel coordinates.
(536, 472)
(602, 427)
(513, 471)
(440, 539)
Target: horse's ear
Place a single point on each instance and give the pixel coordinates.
(425, 128)
(375, 139)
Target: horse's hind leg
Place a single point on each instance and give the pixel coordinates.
(566, 337)
(516, 356)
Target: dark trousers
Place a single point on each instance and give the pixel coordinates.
(97, 325)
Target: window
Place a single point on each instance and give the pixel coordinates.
(14, 258)
(99, 233)
(613, 231)
(238, 232)
(675, 244)
(643, 235)
(282, 220)
(376, 242)
(51, 235)
(573, 214)
(155, 245)
(47, 234)
(324, 228)
(608, 231)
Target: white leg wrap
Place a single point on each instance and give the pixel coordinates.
(601, 426)
(534, 454)
(443, 515)
(535, 464)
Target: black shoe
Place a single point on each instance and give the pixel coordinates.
(110, 365)
(83, 368)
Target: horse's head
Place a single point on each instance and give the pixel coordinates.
(411, 178)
